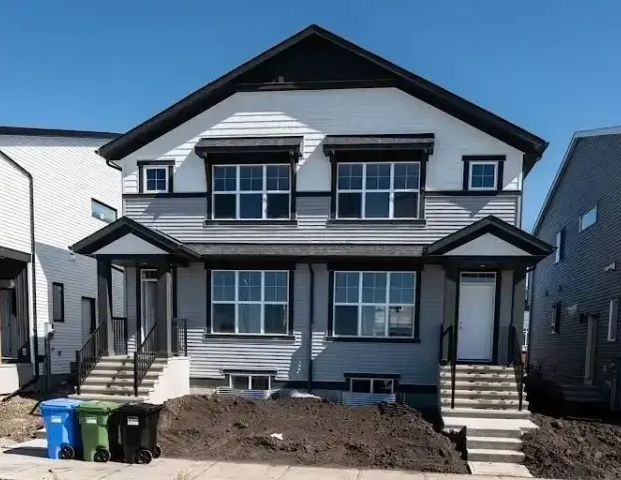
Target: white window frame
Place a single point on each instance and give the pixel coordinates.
(236, 302)
(250, 377)
(238, 191)
(471, 164)
(581, 226)
(391, 191)
(145, 169)
(370, 380)
(360, 304)
(560, 240)
(613, 318)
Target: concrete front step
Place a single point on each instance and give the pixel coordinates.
(487, 455)
(484, 403)
(474, 393)
(479, 385)
(477, 368)
(492, 443)
(108, 398)
(122, 374)
(114, 390)
(468, 412)
(103, 382)
(478, 377)
(514, 433)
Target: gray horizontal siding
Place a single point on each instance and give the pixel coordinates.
(184, 218)
(580, 281)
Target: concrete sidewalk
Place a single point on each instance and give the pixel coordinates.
(27, 462)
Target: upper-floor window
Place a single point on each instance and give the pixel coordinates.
(378, 190)
(483, 176)
(588, 218)
(155, 179)
(559, 253)
(374, 304)
(102, 211)
(556, 318)
(613, 316)
(250, 302)
(251, 192)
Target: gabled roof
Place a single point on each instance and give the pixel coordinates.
(314, 59)
(497, 227)
(597, 132)
(126, 226)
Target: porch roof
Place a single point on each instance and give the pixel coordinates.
(305, 250)
(125, 227)
(515, 241)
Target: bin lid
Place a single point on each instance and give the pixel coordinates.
(60, 403)
(98, 408)
(139, 408)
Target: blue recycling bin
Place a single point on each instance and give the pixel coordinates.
(62, 427)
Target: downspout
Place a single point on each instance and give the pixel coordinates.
(311, 314)
(35, 336)
(112, 165)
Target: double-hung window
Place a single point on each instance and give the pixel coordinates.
(257, 192)
(155, 179)
(378, 190)
(374, 304)
(250, 302)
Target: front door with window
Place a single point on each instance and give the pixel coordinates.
(477, 293)
(148, 305)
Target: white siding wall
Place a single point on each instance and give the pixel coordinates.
(14, 208)
(67, 174)
(315, 114)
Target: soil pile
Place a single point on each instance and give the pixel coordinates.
(16, 422)
(313, 433)
(573, 449)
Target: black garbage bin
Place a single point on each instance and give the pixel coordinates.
(133, 433)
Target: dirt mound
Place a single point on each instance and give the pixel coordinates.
(16, 422)
(573, 449)
(313, 433)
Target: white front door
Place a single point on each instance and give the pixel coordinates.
(148, 279)
(477, 293)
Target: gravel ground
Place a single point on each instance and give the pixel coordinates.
(573, 449)
(313, 433)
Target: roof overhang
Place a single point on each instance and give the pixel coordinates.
(491, 238)
(296, 64)
(127, 238)
(206, 146)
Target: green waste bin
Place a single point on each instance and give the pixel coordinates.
(93, 418)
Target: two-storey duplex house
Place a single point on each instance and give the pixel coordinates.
(323, 219)
(574, 348)
(54, 190)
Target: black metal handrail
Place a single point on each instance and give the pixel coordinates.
(180, 337)
(91, 352)
(451, 356)
(119, 329)
(144, 356)
(515, 359)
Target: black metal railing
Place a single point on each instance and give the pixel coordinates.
(179, 337)
(119, 329)
(515, 359)
(451, 357)
(91, 352)
(144, 356)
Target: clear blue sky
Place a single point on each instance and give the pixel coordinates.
(550, 66)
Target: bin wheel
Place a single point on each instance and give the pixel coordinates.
(143, 456)
(66, 452)
(157, 451)
(101, 455)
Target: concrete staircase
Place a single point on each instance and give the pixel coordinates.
(487, 406)
(112, 379)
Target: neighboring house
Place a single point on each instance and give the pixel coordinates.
(320, 216)
(575, 293)
(54, 190)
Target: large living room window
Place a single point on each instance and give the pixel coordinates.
(251, 192)
(250, 302)
(374, 304)
(378, 190)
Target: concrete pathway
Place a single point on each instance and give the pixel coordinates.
(27, 461)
